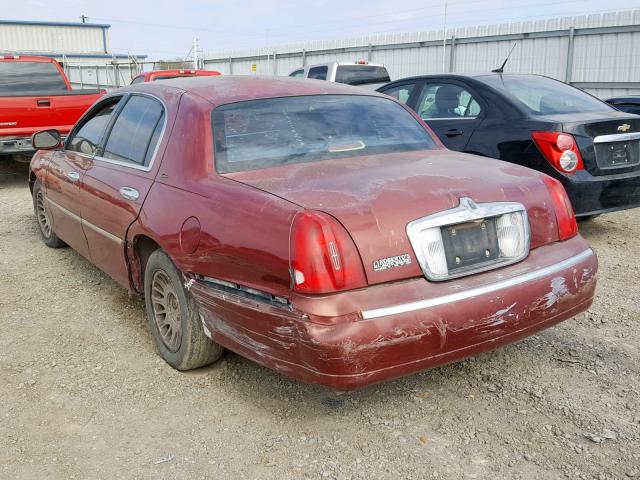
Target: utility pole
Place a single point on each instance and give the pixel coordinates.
(84, 18)
(444, 39)
(195, 53)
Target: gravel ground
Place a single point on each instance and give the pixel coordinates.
(85, 396)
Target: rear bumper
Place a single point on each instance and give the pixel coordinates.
(354, 339)
(591, 195)
(10, 145)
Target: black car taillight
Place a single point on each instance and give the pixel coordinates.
(560, 150)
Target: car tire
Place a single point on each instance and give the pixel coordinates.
(21, 158)
(587, 218)
(174, 318)
(45, 226)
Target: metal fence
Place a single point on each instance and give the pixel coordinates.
(599, 53)
(115, 74)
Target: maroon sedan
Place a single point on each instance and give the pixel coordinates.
(315, 228)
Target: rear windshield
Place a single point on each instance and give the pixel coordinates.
(361, 74)
(266, 133)
(544, 96)
(25, 77)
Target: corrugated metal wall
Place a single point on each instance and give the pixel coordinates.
(45, 38)
(600, 52)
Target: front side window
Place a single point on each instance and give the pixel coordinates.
(361, 74)
(401, 92)
(544, 96)
(318, 73)
(86, 140)
(25, 77)
(446, 100)
(135, 133)
(265, 133)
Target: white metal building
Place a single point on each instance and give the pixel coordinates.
(598, 52)
(72, 42)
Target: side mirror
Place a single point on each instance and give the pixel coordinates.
(46, 140)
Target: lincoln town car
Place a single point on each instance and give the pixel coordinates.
(318, 229)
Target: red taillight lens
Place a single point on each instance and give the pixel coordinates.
(560, 149)
(323, 256)
(567, 226)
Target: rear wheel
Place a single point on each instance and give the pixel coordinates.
(173, 317)
(49, 237)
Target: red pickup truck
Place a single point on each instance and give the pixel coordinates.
(35, 94)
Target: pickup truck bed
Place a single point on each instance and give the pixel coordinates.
(26, 109)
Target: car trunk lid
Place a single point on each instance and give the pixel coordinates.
(375, 197)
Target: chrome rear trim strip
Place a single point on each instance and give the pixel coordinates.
(474, 292)
(618, 137)
(102, 232)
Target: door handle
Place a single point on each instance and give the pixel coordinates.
(73, 176)
(453, 132)
(129, 193)
(43, 102)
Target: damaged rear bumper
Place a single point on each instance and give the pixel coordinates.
(357, 338)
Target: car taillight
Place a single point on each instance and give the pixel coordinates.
(323, 256)
(565, 218)
(560, 149)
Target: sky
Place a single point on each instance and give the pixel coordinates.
(165, 29)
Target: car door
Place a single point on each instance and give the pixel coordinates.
(118, 179)
(451, 109)
(66, 171)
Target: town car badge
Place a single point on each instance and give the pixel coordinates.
(391, 262)
(624, 127)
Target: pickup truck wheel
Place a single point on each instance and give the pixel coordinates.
(44, 220)
(21, 158)
(173, 317)
(587, 218)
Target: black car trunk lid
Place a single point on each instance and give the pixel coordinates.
(609, 144)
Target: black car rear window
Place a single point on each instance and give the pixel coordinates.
(543, 95)
(25, 77)
(361, 74)
(264, 133)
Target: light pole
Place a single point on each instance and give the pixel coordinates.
(444, 39)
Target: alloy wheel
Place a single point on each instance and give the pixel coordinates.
(166, 310)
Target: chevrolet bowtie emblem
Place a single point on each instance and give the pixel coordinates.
(624, 127)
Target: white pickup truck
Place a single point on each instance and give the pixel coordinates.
(361, 73)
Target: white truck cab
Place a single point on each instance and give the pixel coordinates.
(360, 73)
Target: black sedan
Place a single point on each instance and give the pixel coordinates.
(628, 103)
(538, 122)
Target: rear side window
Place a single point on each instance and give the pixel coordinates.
(266, 133)
(318, 73)
(297, 73)
(446, 100)
(361, 74)
(138, 79)
(87, 139)
(25, 77)
(135, 133)
(400, 92)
